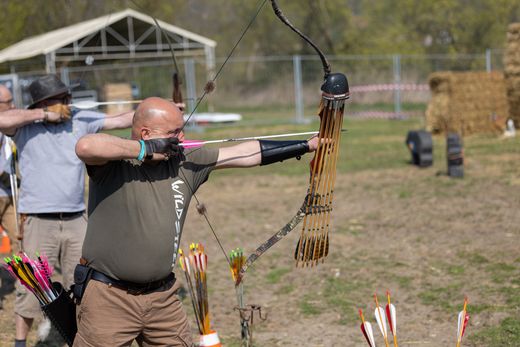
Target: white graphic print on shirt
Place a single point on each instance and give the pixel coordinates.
(178, 197)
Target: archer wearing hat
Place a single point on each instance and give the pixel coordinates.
(51, 198)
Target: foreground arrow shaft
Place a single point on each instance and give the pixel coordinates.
(366, 329)
(381, 321)
(462, 322)
(87, 104)
(198, 143)
(391, 316)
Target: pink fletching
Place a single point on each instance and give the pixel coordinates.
(41, 278)
(45, 266)
(41, 281)
(192, 143)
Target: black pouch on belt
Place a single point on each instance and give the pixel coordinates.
(82, 274)
(62, 314)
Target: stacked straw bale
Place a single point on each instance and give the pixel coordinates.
(512, 71)
(467, 103)
(118, 92)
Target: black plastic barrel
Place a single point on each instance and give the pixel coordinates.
(454, 155)
(420, 144)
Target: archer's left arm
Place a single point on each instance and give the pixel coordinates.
(253, 153)
(118, 121)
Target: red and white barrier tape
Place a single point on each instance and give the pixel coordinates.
(389, 87)
(380, 115)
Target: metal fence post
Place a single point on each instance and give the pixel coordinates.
(488, 60)
(298, 95)
(50, 63)
(64, 74)
(397, 82)
(191, 95)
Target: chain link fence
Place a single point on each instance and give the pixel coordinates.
(282, 89)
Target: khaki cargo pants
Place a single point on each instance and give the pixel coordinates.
(109, 316)
(61, 240)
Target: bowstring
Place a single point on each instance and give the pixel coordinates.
(199, 100)
(205, 92)
(97, 42)
(165, 35)
(206, 218)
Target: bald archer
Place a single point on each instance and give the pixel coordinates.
(159, 122)
(139, 193)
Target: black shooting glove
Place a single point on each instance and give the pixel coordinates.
(169, 146)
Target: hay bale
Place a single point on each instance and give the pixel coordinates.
(118, 92)
(512, 71)
(467, 102)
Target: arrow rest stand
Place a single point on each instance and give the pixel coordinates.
(247, 314)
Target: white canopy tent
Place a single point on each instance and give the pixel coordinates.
(126, 34)
(113, 38)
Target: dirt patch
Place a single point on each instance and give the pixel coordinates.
(428, 238)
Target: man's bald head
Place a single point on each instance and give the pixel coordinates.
(156, 117)
(6, 98)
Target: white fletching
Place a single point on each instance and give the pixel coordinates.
(379, 313)
(392, 320)
(8, 151)
(462, 316)
(85, 104)
(370, 334)
(88, 104)
(187, 264)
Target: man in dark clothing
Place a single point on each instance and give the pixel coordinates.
(139, 193)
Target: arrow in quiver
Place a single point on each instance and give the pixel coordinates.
(313, 244)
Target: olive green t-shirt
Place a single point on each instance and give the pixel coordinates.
(137, 211)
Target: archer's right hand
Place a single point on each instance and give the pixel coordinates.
(52, 117)
(57, 113)
(168, 146)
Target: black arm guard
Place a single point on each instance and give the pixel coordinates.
(274, 151)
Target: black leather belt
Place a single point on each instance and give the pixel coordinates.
(135, 288)
(57, 215)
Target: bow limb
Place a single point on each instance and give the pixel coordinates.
(177, 97)
(176, 79)
(176, 94)
(317, 206)
(278, 12)
(286, 229)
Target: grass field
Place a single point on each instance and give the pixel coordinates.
(428, 238)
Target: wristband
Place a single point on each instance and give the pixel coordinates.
(142, 151)
(45, 116)
(274, 151)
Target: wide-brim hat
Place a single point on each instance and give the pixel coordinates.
(46, 87)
